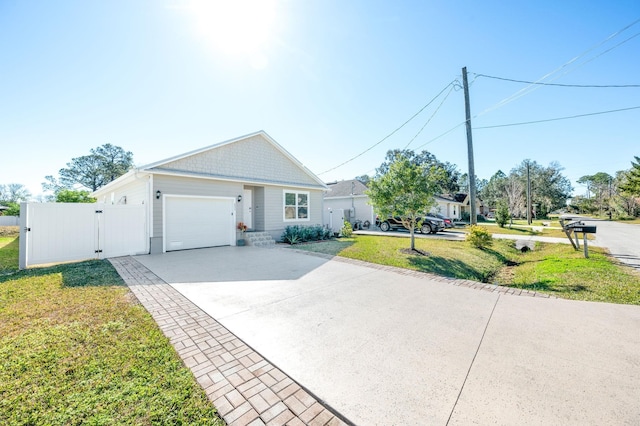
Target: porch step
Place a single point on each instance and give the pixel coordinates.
(259, 239)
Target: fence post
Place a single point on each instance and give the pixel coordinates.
(22, 253)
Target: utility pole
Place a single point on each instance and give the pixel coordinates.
(528, 194)
(472, 173)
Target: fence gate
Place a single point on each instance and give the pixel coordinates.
(61, 232)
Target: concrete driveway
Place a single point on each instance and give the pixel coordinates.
(384, 347)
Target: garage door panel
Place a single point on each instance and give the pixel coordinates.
(198, 222)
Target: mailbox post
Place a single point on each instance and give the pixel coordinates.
(577, 227)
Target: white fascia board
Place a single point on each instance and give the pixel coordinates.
(239, 180)
(346, 197)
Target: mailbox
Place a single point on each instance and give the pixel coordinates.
(584, 229)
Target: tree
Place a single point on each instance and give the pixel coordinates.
(600, 185)
(494, 190)
(549, 188)
(13, 210)
(514, 190)
(72, 196)
(364, 179)
(404, 187)
(103, 165)
(448, 180)
(502, 213)
(631, 183)
(14, 193)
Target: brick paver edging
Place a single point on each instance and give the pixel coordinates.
(494, 288)
(245, 388)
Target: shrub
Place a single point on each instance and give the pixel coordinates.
(479, 237)
(347, 231)
(294, 234)
(502, 214)
(466, 217)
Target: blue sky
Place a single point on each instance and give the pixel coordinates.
(327, 79)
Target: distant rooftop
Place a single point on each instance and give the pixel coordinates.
(345, 188)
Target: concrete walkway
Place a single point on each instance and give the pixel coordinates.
(383, 345)
(245, 388)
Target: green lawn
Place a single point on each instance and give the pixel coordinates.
(556, 269)
(76, 348)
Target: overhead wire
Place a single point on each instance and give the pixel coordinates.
(392, 133)
(598, 86)
(429, 120)
(531, 87)
(557, 119)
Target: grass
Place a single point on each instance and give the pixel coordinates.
(76, 348)
(523, 230)
(555, 269)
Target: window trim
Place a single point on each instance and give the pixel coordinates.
(284, 205)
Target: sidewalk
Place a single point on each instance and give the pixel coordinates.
(245, 388)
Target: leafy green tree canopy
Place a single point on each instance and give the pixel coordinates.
(404, 187)
(103, 165)
(631, 179)
(72, 196)
(448, 180)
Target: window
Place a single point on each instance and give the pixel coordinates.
(296, 205)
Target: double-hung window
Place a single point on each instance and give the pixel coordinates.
(296, 205)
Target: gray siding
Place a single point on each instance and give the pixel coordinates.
(253, 159)
(274, 210)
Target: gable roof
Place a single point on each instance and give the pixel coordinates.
(174, 163)
(254, 158)
(346, 188)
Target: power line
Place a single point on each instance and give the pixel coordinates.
(526, 90)
(392, 133)
(443, 134)
(559, 84)
(557, 119)
(429, 120)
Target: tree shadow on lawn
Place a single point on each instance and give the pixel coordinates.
(94, 273)
(447, 267)
(552, 287)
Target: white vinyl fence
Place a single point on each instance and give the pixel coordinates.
(61, 232)
(9, 221)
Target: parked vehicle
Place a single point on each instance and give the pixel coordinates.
(448, 223)
(428, 225)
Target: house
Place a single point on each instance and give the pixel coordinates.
(198, 198)
(458, 204)
(350, 196)
(450, 206)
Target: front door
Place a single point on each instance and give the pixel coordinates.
(247, 208)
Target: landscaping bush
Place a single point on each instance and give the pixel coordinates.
(466, 217)
(294, 234)
(479, 237)
(502, 214)
(347, 231)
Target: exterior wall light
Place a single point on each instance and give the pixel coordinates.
(158, 194)
(239, 198)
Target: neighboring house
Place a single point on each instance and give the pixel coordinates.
(349, 195)
(450, 206)
(463, 201)
(198, 198)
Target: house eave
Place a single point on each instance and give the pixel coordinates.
(242, 180)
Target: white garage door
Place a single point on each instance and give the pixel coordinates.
(195, 222)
